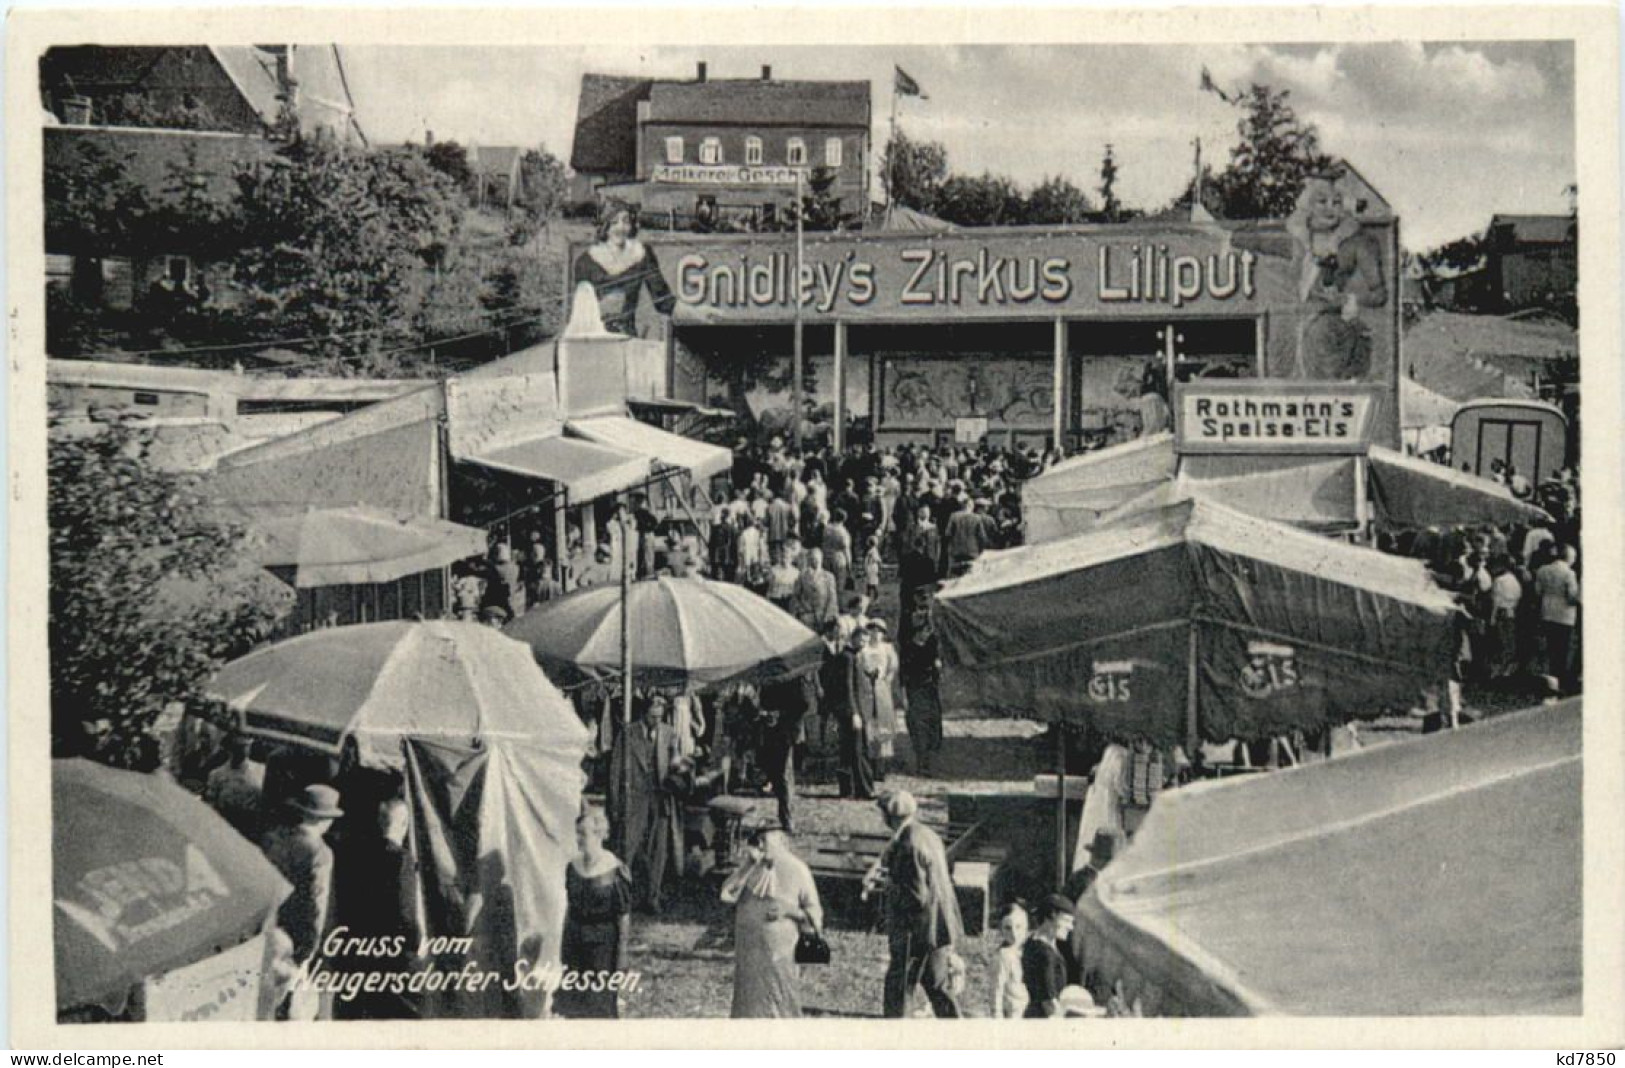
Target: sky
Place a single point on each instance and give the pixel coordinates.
(1449, 133)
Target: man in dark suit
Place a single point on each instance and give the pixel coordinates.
(841, 703)
(373, 888)
(922, 912)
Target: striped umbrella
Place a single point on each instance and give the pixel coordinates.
(686, 633)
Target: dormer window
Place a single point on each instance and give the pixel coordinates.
(711, 150)
(753, 151)
(674, 150)
(795, 153)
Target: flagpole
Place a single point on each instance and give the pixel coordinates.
(798, 359)
(891, 149)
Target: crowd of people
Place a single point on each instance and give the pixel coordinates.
(1519, 589)
(814, 532)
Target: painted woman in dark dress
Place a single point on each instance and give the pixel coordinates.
(617, 267)
(598, 889)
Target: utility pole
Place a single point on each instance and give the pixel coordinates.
(799, 357)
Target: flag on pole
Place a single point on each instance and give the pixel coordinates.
(907, 86)
(1210, 86)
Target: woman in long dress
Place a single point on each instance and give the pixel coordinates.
(877, 668)
(774, 900)
(598, 889)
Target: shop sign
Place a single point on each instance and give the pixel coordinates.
(1111, 682)
(724, 174)
(970, 429)
(225, 986)
(1072, 273)
(1274, 416)
(1271, 669)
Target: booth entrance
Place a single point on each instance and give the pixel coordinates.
(1109, 360)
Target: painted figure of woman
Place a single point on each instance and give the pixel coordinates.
(618, 267)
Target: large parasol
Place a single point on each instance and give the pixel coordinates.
(146, 878)
(688, 633)
(380, 683)
(360, 545)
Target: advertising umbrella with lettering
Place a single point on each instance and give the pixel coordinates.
(145, 879)
(689, 633)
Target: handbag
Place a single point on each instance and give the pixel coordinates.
(811, 948)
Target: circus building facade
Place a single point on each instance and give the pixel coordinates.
(1074, 335)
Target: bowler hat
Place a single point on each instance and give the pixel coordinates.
(1102, 849)
(318, 802)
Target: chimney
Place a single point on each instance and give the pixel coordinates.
(76, 110)
(767, 73)
(428, 138)
(699, 72)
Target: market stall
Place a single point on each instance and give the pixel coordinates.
(1438, 877)
(489, 756)
(1330, 493)
(1238, 628)
(162, 909)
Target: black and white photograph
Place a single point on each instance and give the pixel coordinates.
(579, 532)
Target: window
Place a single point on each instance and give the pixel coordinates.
(753, 151)
(832, 152)
(711, 150)
(179, 269)
(149, 400)
(674, 150)
(795, 153)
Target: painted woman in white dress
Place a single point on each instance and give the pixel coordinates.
(618, 267)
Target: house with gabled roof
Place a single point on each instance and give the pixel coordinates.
(710, 151)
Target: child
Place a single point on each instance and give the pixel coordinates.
(1009, 991)
(871, 570)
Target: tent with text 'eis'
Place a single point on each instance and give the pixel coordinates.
(1189, 619)
(1435, 877)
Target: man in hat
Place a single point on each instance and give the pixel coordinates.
(1043, 967)
(922, 911)
(1101, 850)
(298, 849)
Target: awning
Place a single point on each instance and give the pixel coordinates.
(1307, 491)
(1075, 494)
(1437, 877)
(667, 450)
(1409, 492)
(585, 470)
(1042, 630)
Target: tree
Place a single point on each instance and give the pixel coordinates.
(913, 172)
(92, 205)
(1277, 150)
(985, 200)
(148, 593)
(333, 242)
(1110, 206)
(1458, 256)
(819, 208)
(451, 160)
(1057, 200)
(543, 184)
